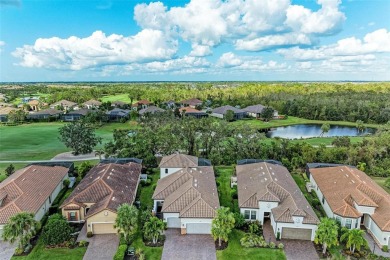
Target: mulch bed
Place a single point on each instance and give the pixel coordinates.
(318, 248)
(223, 246)
(150, 244)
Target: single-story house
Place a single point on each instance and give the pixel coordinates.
(117, 114)
(189, 111)
(31, 189)
(220, 112)
(150, 110)
(34, 104)
(118, 104)
(267, 192)
(187, 199)
(64, 104)
(353, 199)
(141, 104)
(174, 162)
(90, 104)
(45, 114)
(75, 114)
(169, 104)
(193, 102)
(99, 194)
(4, 111)
(256, 110)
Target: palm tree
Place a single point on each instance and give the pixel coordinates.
(327, 234)
(354, 238)
(21, 227)
(127, 221)
(99, 152)
(153, 228)
(222, 225)
(360, 125)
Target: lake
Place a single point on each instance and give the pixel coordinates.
(309, 131)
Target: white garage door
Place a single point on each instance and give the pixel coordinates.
(296, 233)
(198, 228)
(173, 222)
(103, 228)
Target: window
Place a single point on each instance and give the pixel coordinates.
(253, 215)
(323, 199)
(338, 219)
(247, 214)
(50, 199)
(72, 216)
(250, 214)
(356, 224)
(166, 171)
(348, 223)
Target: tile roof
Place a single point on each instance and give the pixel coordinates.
(33, 102)
(178, 161)
(107, 186)
(192, 102)
(65, 103)
(7, 110)
(191, 192)
(93, 102)
(222, 110)
(264, 181)
(141, 102)
(190, 110)
(254, 109)
(28, 189)
(151, 109)
(343, 186)
(47, 112)
(83, 111)
(118, 112)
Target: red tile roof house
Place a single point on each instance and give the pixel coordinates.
(267, 191)
(142, 104)
(31, 189)
(96, 199)
(193, 102)
(353, 199)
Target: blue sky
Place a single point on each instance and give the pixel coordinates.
(131, 40)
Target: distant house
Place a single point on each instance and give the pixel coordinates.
(220, 112)
(75, 114)
(64, 104)
(45, 114)
(353, 199)
(90, 104)
(34, 104)
(150, 110)
(267, 192)
(96, 199)
(175, 162)
(28, 99)
(4, 111)
(117, 114)
(256, 110)
(118, 104)
(170, 104)
(193, 102)
(141, 104)
(31, 189)
(189, 111)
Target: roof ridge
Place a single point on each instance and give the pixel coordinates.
(283, 212)
(254, 194)
(190, 187)
(179, 174)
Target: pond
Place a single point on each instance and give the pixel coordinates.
(309, 131)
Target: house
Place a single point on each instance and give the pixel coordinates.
(118, 104)
(353, 199)
(141, 104)
(174, 162)
(220, 112)
(45, 114)
(268, 193)
(187, 199)
(99, 194)
(117, 114)
(34, 104)
(31, 189)
(256, 110)
(193, 102)
(64, 105)
(189, 111)
(150, 110)
(170, 104)
(75, 114)
(4, 111)
(90, 104)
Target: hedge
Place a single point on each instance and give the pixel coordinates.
(120, 252)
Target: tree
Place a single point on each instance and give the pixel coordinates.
(325, 128)
(360, 125)
(99, 152)
(267, 114)
(361, 166)
(21, 227)
(229, 116)
(16, 116)
(354, 239)
(56, 231)
(9, 170)
(127, 221)
(327, 234)
(83, 169)
(79, 136)
(153, 229)
(222, 225)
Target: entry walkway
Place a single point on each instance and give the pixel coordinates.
(374, 247)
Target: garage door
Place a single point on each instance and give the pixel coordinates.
(198, 228)
(296, 233)
(103, 228)
(173, 222)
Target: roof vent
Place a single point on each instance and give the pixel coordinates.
(261, 167)
(108, 177)
(276, 179)
(23, 179)
(34, 170)
(273, 173)
(113, 198)
(265, 179)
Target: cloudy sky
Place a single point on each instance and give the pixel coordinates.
(132, 40)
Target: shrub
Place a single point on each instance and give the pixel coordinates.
(120, 252)
(251, 240)
(385, 248)
(280, 246)
(240, 220)
(56, 231)
(146, 183)
(154, 186)
(66, 183)
(19, 251)
(89, 234)
(272, 245)
(233, 193)
(83, 243)
(278, 235)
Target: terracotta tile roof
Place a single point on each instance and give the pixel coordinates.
(33, 102)
(191, 192)
(343, 186)
(190, 110)
(192, 102)
(65, 103)
(107, 186)
(178, 161)
(28, 188)
(264, 181)
(93, 102)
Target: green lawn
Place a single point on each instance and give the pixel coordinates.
(235, 251)
(327, 140)
(120, 97)
(225, 197)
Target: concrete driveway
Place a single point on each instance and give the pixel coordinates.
(6, 250)
(102, 247)
(188, 247)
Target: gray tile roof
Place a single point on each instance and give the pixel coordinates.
(222, 110)
(151, 109)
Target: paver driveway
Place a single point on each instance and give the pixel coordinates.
(6, 250)
(188, 247)
(102, 247)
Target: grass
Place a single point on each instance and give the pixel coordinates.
(41, 253)
(236, 251)
(327, 140)
(3, 166)
(120, 97)
(224, 173)
(381, 182)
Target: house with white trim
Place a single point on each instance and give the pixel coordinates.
(174, 162)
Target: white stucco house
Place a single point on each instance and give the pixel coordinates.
(268, 193)
(174, 162)
(352, 198)
(31, 189)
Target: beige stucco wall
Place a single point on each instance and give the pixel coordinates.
(80, 212)
(105, 216)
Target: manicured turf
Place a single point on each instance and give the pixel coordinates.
(225, 198)
(120, 97)
(236, 251)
